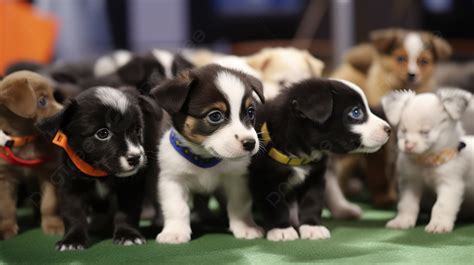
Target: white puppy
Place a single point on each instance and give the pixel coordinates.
(433, 155)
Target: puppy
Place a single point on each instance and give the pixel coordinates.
(208, 147)
(26, 97)
(102, 135)
(434, 156)
(299, 127)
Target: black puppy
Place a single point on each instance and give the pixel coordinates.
(298, 129)
(109, 151)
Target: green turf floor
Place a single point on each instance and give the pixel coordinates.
(354, 242)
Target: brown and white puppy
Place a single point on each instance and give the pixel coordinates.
(395, 59)
(208, 147)
(26, 97)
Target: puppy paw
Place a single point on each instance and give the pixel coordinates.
(314, 232)
(347, 211)
(401, 222)
(128, 237)
(247, 232)
(439, 226)
(52, 225)
(70, 245)
(282, 234)
(174, 235)
(8, 230)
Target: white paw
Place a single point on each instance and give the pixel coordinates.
(437, 226)
(129, 242)
(347, 211)
(247, 232)
(282, 234)
(401, 222)
(71, 247)
(174, 235)
(314, 232)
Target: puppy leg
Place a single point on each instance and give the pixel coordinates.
(130, 201)
(338, 205)
(239, 209)
(445, 210)
(73, 211)
(311, 203)
(272, 202)
(8, 225)
(51, 223)
(174, 204)
(408, 206)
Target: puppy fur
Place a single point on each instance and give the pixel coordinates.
(106, 128)
(308, 120)
(190, 99)
(427, 125)
(26, 97)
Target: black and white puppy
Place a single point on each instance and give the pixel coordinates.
(209, 147)
(299, 127)
(105, 158)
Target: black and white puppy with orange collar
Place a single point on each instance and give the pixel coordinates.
(209, 147)
(108, 138)
(299, 128)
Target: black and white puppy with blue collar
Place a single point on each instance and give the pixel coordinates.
(209, 147)
(299, 128)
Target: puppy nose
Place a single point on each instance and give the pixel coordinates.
(387, 129)
(133, 160)
(411, 76)
(409, 146)
(249, 144)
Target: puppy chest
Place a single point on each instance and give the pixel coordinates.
(298, 175)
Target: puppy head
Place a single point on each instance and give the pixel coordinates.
(28, 95)
(104, 127)
(334, 116)
(410, 55)
(427, 120)
(282, 67)
(213, 106)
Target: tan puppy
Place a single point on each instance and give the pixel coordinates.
(26, 97)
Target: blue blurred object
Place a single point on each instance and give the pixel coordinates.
(438, 6)
(257, 7)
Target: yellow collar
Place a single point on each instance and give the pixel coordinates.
(279, 156)
(440, 158)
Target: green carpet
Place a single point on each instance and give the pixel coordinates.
(356, 242)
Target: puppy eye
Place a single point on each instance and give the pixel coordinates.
(401, 59)
(103, 134)
(423, 62)
(282, 82)
(251, 113)
(356, 113)
(42, 102)
(403, 130)
(215, 117)
(425, 132)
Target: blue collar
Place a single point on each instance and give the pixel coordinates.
(193, 158)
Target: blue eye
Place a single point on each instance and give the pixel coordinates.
(401, 59)
(356, 113)
(251, 113)
(215, 117)
(42, 102)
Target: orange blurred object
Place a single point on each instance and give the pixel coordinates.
(25, 34)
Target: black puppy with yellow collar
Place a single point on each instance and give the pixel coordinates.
(298, 128)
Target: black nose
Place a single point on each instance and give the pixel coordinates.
(249, 144)
(133, 160)
(387, 129)
(411, 76)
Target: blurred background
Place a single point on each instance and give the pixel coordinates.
(73, 30)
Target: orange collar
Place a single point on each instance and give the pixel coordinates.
(440, 158)
(60, 139)
(18, 141)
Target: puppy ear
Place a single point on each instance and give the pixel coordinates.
(315, 64)
(260, 61)
(256, 86)
(151, 107)
(385, 39)
(441, 48)
(140, 70)
(360, 57)
(455, 101)
(180, 64)
(305, 106)
(17, 94)
(172, 93)
(393, 104)
(50, 126)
